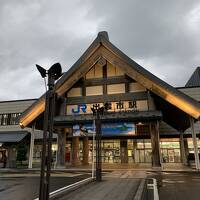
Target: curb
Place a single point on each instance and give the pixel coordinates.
(153, 186)
(69, 188)
(140, 191)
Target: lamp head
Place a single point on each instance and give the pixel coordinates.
(42, 71)
(55, 70)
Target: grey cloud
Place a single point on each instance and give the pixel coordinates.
(160, 35)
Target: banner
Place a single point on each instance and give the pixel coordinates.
(107, 129)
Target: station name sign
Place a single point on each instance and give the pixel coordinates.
(125, 106)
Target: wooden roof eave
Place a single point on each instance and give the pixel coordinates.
(61, 85)
(151, 82)
(134, 70)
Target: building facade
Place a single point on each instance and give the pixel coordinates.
(145, 121)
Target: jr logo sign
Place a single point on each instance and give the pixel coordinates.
(79, 108)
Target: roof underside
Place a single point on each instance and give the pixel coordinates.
(102, 47)
(12, 136)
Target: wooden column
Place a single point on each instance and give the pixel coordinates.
(12, 155)
(182, 149)
(61, 142)
(185, 142)
(124, 151)
(194, 139)
(85, 150)
(75, 149)
(60, 110)
(155, 143)
(136, 157)
(30, 161)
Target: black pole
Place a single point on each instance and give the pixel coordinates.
(47, 141)
(51, 125)
(98, 146)
(44, 149)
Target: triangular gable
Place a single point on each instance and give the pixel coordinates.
(102, 47)
(194, 80)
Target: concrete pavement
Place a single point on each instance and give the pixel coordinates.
(108, 189)
(175, 181)
(177, 185)
(25, 186)
(117, 185)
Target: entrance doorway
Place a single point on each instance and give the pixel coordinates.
(111, 151)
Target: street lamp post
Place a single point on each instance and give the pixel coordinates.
(97, 111)
(53, 74)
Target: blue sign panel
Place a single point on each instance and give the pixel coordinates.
(79, 108)
(107, 129)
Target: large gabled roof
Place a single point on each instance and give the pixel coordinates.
(194, 80)
(102, 47)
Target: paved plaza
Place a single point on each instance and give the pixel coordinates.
(177, 185)
(21, 185)
(173, 183)
(117, 185)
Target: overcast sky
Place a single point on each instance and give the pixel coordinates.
(162, 36)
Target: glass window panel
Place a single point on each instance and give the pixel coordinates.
(177, 156)
(170, 145)
(190, 143)
(140, 145)
(147, 145)
(164, 154)
(171, 155)
(198, 143)
(141, 155)
(148, 156)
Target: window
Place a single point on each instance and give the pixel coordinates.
(9, 119)
(14, 118)
(4, 120)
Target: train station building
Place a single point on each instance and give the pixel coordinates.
(146, 120)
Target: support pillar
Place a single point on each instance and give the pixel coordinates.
(196, 152)
(185, 142)
(12, 155)
(182, 149)
(75, 149)
(30, 161)
(85, 150)
(60, 109)
(61, 143)
(136, 156)
(124, 151)
(155, 143)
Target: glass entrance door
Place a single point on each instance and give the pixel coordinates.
(171, 155)
(111, 151)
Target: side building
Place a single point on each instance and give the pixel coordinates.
(16, 144)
